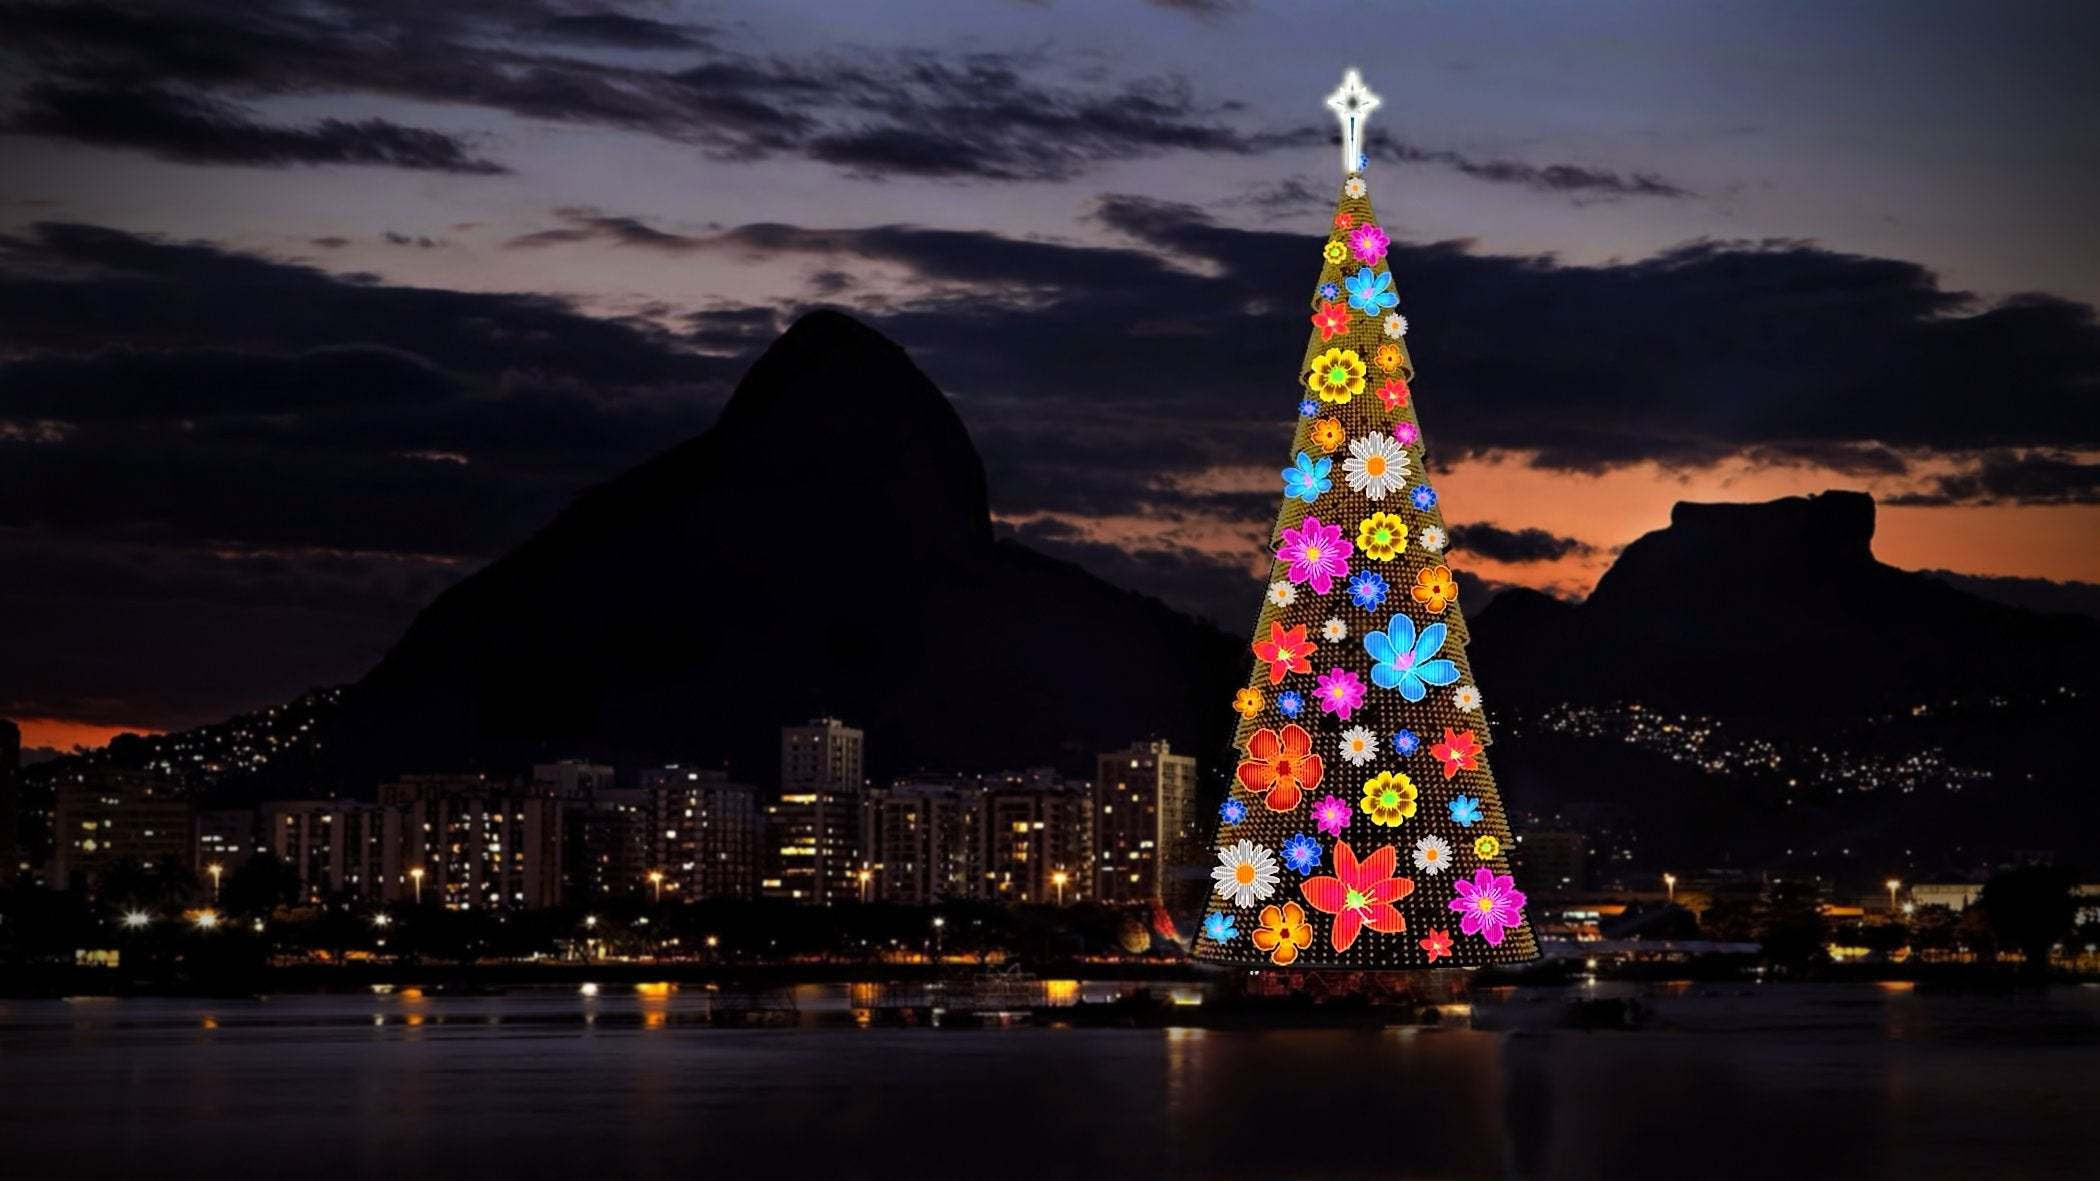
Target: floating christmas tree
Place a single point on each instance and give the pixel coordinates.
(1363, 829)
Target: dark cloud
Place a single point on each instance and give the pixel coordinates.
(589, 225)
(1552, 178)
(201, 131)
(616, 29)
(1514, 545)
(2010, 476)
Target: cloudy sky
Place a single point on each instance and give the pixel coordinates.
(309, 308)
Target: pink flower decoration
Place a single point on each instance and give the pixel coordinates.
(1317, 555)
(1331, 813)
(1368, 243)
(1491, 902)
(1406, 433)
(1340, 691)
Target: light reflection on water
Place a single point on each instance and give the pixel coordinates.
(1779, 1081)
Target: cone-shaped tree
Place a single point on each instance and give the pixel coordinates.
(1363, 829)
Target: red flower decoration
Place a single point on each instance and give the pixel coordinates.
(1458, 751)
(1332, 319)
(1436, 943)
(1343, 221)
(1281, 768)
(1393, 393)
(1360, 895)
(1286, 650)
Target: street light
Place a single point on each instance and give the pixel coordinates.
(416, 875)
(215, 869)
(1059, 879)
(136, 919)
(1670, 885)
(865, 878)
(1893, 886)
(656, 879)
(207, 919)
(381, 918)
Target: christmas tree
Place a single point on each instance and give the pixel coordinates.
(1362, 829)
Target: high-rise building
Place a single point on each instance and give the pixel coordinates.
(336, 848)
(1038, 843)
(923, 841)
(572, 780)
(706, 832)
(1144, 821)
(226, 837)
(480, 842)
(813, 828)
(10, 801)
(606, 843)
(105, 816)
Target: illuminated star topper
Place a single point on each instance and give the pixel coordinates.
(1352, 104)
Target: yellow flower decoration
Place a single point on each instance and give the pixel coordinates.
(1388, 357)
(1335, 251)
(1327, 434)
(1389, 798)
(1337, 376)
(1488, 847)
(1382, 536)
(1248, 702)
(1435, 589)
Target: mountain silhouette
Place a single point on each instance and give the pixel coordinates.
(825, 548)
(1777, 609)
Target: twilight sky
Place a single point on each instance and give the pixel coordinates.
(309, 308)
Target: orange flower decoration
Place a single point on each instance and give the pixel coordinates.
(1332, 319)
(1327, 433)
(1343, 221)
(1286, 650)
(1281, 768)
(1283, 932)
(1459, 751)
(1248, 702)
(1435, 589)
(1387, 356)
(1393, 393)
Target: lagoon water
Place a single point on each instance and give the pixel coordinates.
(1774, 1081)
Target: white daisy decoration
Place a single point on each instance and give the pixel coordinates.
(1334, 631)
(1358, 745)
(1432, 854)
(1433, 539)
(1246, 873)
(1466, 697)
(1283, 594)
(1354, 186)
(1377, 464)
(1395, 325)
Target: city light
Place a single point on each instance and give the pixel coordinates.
(1059, 879)
(1670, 886)
(590, 920)
(1893, 886)
(417, 875)
(215, 869)
(656, 879)
(206, 919)
(136, 919)
(381, 918)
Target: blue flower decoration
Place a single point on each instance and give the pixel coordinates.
(1362, 162)
(1424, 497)
(1464, 811)
(1371, 292)
(1308, 408)
(1406, 743)
(1330, 291)
(1219, 928)
(1302, 853)
(1289, 703)
(1367, 590)
(1307, 479)
(1233, 811)
(1406, 661)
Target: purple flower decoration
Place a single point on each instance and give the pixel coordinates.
(1340, 691)
(1301, 853)
(1331, 813)
(1406, 433)
(1317, 555)
(1406, 743)
(1368, 243)
(1491, 903)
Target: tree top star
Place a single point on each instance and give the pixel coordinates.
(1352, 104)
